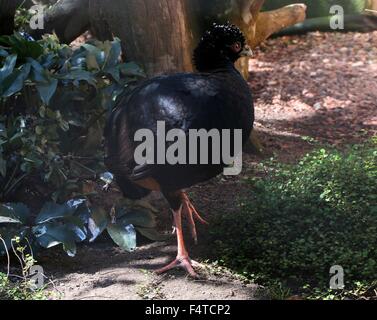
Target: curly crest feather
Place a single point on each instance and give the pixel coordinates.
(214, 47)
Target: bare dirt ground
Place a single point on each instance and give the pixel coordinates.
(318, 87)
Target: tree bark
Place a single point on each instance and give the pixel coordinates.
(7, 13)
(371, 5)
(160, 35)
(155, 34)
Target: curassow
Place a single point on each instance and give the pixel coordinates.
(216, 97)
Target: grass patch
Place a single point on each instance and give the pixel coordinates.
(305, 218)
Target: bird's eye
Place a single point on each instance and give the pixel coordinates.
(236, 47)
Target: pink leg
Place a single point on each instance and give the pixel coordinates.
(191, 213)
(183, 260)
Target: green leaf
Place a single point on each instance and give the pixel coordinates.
(138, 218)
(70, 248)
(22, 47)
(50, 235)
(76, 225)
(96, 52)
(91, 62)
(131, 69)
(98, 222)
(3, 53)
(3, 131)
(15, 82)
(47, 90)
(14, 213)
(3, 167)
(52, 211)
(124, 237)
(152, 234)
(8, 67)
(113, 56)
(38, 73)
(77, 76)
(115, 73)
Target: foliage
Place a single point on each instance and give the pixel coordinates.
(53, 105)
(305, 218)
(13, 287)
(18, 290)
(123, 222)
(54, 225)
(73, 222)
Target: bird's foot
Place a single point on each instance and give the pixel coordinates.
(192, 214)
(181, 262)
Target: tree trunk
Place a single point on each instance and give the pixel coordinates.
(155, 34)
(7, 13)
(371, 5)
(160, 35)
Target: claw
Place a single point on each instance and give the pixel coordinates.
(180, 262)
(183, 260)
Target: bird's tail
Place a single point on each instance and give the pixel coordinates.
(130, 190)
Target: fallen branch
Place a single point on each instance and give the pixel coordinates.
(271, 22)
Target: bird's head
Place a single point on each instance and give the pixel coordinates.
(221, 44)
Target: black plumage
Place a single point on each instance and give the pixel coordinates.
(217, 97)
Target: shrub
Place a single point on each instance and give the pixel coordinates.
(53, 106)
(305, 218)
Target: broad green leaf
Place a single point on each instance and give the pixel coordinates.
(3, 53)
(152, 234)
(14, 213)
(22, 47)
(77, 227)
(76, 203)
(112, 58)
(131, 69)
(91, 48)
(98, 222)
(99, 54)
(138, 218)
(52, 211)
(15, 82)
(91, 62)
(77, 76)
(3, 167)
(46, 241)
(3, 130)
(4, 219)
(8, 67)
(70, 248)
(124, 237)
(47, 90)
(50, 235)
(115, 73)
(38, 73)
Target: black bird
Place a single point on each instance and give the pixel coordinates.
(216, 97)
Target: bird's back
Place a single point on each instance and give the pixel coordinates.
(217, 100)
